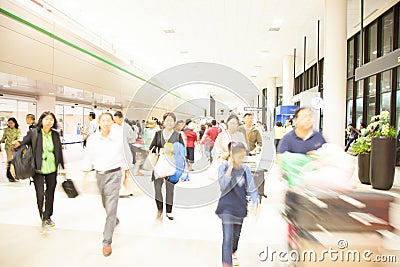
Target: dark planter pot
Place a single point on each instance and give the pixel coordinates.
(383, 161)
(363, 168)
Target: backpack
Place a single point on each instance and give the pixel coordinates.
(23, 164)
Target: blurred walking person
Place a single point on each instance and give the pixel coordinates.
(47, 152)
(163, 137)
(11, 133)
(191, 140)
(105, 157)
(236, 182)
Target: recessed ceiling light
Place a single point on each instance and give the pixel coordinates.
(169, 31)
(374, 52)
(370, 84)
(274, 29)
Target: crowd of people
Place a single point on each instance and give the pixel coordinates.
(113, 146)
(116, 148)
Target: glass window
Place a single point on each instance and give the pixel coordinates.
(359, 112)
(387, 33)
(349, 111)
(372, 42)
(360, 88)
(398, 110)
(371, 83)
(357, 45)
(385, 101)
(398, 100)
(370, 107)
(386, 81)
(349, 94)
(350, 58)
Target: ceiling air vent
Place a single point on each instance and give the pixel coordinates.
(274, 29)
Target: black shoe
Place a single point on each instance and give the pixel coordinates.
(170, 216)
(117, 222)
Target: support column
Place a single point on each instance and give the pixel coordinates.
(334, 91)
(271, 100)
(287, 80)
(46, 103)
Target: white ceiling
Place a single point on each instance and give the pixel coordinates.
(228, 32)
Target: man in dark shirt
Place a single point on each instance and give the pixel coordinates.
(303, 139)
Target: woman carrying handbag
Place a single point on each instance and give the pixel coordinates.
(47, 151)
(162, 144)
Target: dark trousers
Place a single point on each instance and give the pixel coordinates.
(351, 140)
(231, 234)
(190, 154)
(45, 197)
(169, 201)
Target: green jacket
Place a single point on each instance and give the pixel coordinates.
(10, 135)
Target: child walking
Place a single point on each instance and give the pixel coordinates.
(236, 182)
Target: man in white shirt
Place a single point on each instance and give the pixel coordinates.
(128, 137)
(93, 127)
(104, 155)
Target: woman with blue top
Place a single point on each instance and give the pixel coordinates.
(236, 182)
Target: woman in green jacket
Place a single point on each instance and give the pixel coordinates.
(11, 133)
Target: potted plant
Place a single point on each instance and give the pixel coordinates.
(362, 149)
(383, 151)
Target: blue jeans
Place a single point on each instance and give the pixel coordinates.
(231, 234)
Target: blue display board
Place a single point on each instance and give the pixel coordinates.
(284, 112)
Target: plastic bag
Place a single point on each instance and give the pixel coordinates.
(293, 165)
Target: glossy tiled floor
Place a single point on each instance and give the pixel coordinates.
(192, 239)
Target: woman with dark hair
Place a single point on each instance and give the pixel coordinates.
(47, 152)
(161, 138)
(236, 182)
(11, 134)
(231, 134)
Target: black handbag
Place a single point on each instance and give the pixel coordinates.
(69, 188)
(23, 163)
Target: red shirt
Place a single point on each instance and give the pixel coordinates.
(213, 133)
(191, 137)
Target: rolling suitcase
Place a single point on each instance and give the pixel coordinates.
(332, 211)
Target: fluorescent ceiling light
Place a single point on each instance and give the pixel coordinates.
(184, 52)
(6, 86)
(51, 93)
(264, 53)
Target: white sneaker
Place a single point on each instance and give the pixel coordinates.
(170, 216)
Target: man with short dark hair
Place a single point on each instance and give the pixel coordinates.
(303, 139)
(253, 136)
(93, 127)
(30, 120)
(128, 138)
